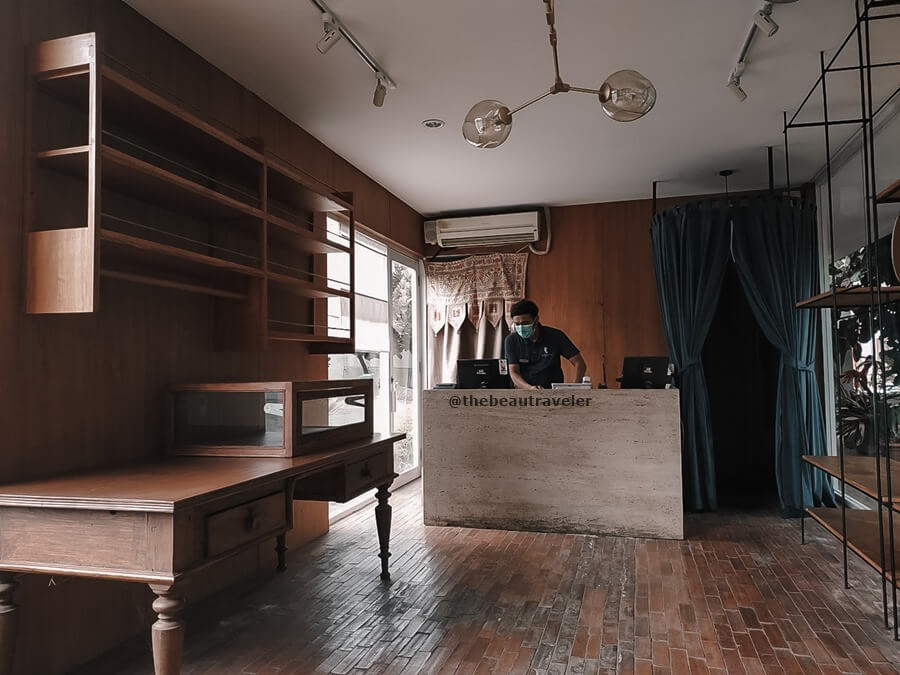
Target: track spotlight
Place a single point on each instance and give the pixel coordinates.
(380, 90)
(332, 34)
(734, 84)
(764, 21)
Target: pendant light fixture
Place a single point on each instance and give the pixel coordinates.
(625, 96)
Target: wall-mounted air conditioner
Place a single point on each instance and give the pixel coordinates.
(496, 230)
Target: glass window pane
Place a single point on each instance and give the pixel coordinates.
(371, 269)
(372, 332)
(404, 359)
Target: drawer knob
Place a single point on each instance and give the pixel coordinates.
(253, 521)
(365, 471)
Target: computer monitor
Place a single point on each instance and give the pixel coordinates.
(646, 372)
(482, 374)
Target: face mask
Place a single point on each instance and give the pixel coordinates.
(525, 330)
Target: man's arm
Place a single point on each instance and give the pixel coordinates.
(515, 373)
(580, 366)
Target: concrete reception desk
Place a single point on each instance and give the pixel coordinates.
(589, 461)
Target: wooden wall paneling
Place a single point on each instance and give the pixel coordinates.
(63, 601)
(406, 226)
(376, 206)
(224, 103)
(634, 325)
(567, 286)
(125, 39)
(598, 285)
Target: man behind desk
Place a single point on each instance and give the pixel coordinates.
(533, 350)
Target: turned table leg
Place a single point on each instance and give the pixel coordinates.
(9, 623)
(383, 523)
(168, 631)
(280, 549)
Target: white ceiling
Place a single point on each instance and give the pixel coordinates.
(447, 54)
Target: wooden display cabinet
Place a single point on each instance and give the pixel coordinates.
(124, 184)
(268, 419)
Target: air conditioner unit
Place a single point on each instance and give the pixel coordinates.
(496, 230)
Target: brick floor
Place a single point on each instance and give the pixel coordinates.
(741, 595)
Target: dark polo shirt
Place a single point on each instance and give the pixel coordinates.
(538, 360)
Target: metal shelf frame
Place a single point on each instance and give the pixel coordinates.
(859, 40)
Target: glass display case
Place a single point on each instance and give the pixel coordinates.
(268, 419)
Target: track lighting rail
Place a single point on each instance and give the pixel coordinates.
(384, 80)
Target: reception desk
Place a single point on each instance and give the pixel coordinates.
(583, 461)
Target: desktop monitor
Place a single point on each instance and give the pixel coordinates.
(482, 374)
(646, 372)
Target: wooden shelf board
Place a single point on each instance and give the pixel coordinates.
(154, 249)
(304, 288)
(302, 190)
(862, 533)
(72, 152)
(70, 86)
(304, 337)
(850, 297)
(142, 180)
(890, 195)
(301, 239)
(150, 280)
(123, 98)
(861, 473)
(72, 161)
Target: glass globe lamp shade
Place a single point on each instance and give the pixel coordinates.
(488, 124)
(627, 95)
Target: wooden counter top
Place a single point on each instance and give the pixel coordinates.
(164, 484)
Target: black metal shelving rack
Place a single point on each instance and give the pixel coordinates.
(870, 535)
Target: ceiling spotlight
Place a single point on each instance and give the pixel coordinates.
(625, 96)
(734, 84)
(764, 21)
(381, 87)
(433, 123)
(332, 34)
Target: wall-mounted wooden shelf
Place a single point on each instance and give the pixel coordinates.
(862, 534)
(126, 185)
(300, 239)
(851, 297)
(890, 195)
(305, 289)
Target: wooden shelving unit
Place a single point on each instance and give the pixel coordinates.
(125, 185)
(873, 534)
(860, 296)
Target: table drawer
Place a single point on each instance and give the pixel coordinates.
(229, 529)
(363, 474)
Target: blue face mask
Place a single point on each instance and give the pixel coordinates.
(525, 330)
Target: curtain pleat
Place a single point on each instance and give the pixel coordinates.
(690, 252)
(775, 251)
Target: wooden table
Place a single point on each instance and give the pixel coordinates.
(162, 521)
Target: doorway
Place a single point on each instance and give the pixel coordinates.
(741, 368)
(388, 301)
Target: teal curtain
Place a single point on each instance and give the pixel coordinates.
(775, 249)
(690, 252)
